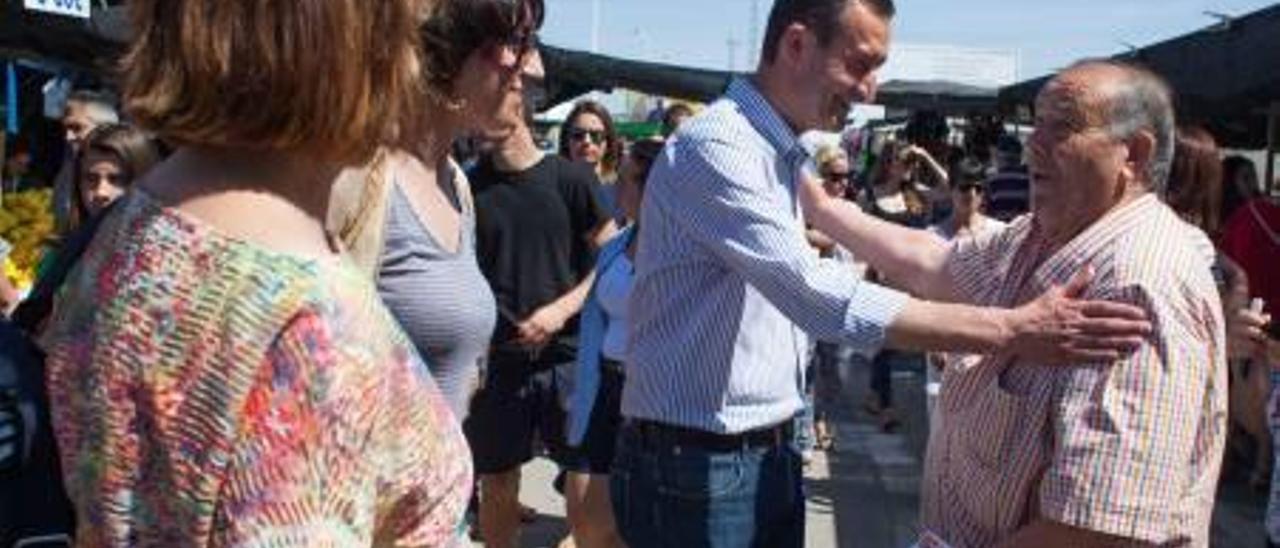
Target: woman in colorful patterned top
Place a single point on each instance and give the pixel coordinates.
(219, 374)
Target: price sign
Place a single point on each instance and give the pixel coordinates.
(73, 8)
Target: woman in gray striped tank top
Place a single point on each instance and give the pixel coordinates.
(408, 218)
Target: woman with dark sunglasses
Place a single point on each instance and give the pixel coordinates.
(589, 136)
(968, 187)
(408, 218)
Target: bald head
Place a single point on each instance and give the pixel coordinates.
(1123, 100)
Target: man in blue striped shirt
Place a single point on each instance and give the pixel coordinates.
(728, 292)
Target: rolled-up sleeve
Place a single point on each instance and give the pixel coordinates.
(1127, 433)
(726, 199)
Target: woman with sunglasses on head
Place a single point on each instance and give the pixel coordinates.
(219, 374)
(588, 136)
(409, 219)
(595, 413)
(906, 184)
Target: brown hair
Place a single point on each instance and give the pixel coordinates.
(134, 150)
(1195, 179)
(458, 28)
(672, 115)
(612, 144)
(643, 154)
(331, 77)
(911, 196)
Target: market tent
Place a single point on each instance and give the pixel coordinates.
(572, 73)
(89, 46)
(1226, 76)
(937, 95)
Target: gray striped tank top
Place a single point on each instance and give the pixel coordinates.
(440, 298)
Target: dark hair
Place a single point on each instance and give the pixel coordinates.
(670, 115)
(969, 170)
(1009, 148)
(335, 78)
(1195, 178)
(822, 16)
(1232, 195)
(458, 28)
(134, 150)
(644, 154)
(612, 144)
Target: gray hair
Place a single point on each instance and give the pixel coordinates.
(100, 106)
(1141, 101)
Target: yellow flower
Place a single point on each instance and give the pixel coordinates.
(20, 279)
(26, 222)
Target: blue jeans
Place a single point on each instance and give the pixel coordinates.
(683, 497)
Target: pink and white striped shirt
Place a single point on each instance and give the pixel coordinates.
(1131, 448)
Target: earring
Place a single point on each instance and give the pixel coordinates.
(454, 105)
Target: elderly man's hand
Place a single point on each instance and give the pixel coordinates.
(1246, 337)
(1059, 328)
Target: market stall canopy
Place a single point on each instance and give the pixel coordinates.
(572, 73)
(1225, 76)
(90, 45)
(937, 95)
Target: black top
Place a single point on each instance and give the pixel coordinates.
(532, 230)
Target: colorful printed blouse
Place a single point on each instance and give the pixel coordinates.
(209, 392)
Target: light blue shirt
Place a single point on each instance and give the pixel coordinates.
(592, 326)
(727, 288)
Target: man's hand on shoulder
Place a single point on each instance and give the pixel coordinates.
(1061, 328)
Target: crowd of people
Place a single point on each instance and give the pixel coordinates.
(276, 313)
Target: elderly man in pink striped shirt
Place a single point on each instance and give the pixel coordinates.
(1095, 454)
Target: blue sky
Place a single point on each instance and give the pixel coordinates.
(1047, 34)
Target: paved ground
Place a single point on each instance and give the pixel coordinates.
(866, 493)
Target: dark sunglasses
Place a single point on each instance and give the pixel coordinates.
(969, 187)
(594, 135)
(523, 42)
(841, 178)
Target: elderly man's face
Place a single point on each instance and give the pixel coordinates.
(1076, 165)
(77, 123)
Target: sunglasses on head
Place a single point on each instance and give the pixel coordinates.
(596, 136)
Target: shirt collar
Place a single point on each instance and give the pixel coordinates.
(756, 108)
(1094, 239)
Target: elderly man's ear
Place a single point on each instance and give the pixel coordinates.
(1142, 151)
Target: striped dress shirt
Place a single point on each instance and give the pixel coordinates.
(726, 284)
(1131, 448)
